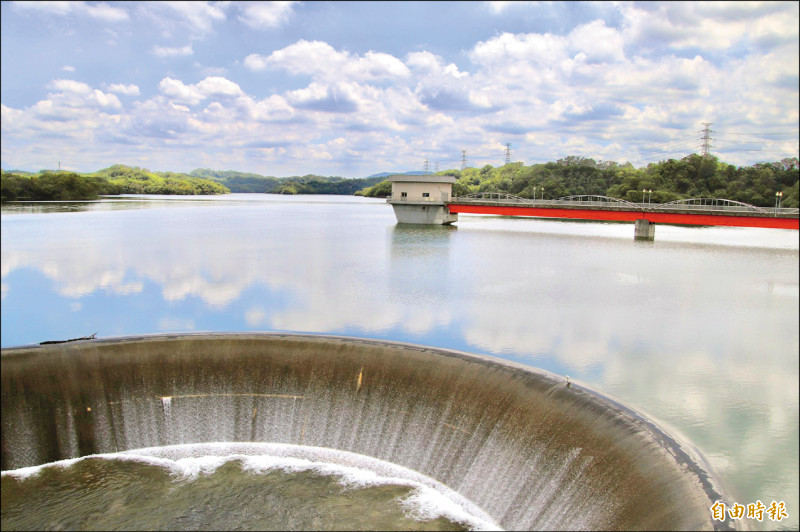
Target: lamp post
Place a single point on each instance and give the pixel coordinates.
(542, 189)
(778, 198)
(644, 191)
(649, 195)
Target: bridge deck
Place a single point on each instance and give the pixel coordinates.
(654, 213)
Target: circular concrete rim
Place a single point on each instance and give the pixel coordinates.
(682, 451)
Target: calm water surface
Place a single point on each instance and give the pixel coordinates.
(698, 329)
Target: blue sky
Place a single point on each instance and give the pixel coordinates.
(356, 88)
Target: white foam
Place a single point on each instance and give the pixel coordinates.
(25, 472)
(429, 499)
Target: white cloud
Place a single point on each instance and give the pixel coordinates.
(10, 114)
(72, 117)
(218, 86)
(337, 98)
(502, 53)
(598, 42)
(274, 107)
(498, 7)
(197, 17)
(713, 26)
(444, 87)
(176, 90)
(70, 86)
(609, 87)
(166, 51)
(68, 68)
(54, 8)
(104, 100)
(101, 11)
(265, 15)
(193, 94)
(74, 95)
(256, 62)
(105, 12)
(321, 61)
(120, 88)
(428, 64)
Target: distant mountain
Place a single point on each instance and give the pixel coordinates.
(307, 184)
(387, 174)
(18, 172)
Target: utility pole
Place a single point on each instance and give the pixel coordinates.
(705, 148)
(463, 159)
(427, 167)
(508, 152)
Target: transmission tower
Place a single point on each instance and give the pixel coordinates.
(427, 166)
(463, 159)
(705, 147)
(508, 152)
(435, 166)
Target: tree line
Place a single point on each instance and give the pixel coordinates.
(307, 184)
(121, 179)
(51, 185)
(694, 176)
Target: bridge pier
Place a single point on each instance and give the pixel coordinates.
(644, 230)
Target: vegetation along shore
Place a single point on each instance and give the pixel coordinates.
(693, 176)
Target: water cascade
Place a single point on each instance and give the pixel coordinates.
(526, 448)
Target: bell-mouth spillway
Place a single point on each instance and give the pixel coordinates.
(529, 450)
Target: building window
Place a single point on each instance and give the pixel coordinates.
(404, 194)
(426, 194)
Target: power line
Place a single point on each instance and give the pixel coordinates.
(726, 150)
(676, 147)
(764, 134)
(672, 145)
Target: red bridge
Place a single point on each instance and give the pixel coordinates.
(699, 211)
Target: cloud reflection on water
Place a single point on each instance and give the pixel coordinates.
(703, 337)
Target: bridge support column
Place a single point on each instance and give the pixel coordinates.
(644, 230)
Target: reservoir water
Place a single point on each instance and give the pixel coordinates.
(698, 329)
(231, 487)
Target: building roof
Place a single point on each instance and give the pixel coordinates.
(421, 178)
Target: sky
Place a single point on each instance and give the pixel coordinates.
(352, 89)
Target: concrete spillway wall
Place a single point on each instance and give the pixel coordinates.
(529, 450)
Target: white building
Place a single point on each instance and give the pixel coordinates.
(422, 199)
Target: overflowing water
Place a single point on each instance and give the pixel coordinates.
(247, 486)
(528, 450)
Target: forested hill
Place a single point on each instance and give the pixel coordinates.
(54, 185)
(307, 184)
(238, 181)
(136, 180)
(693, 176)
